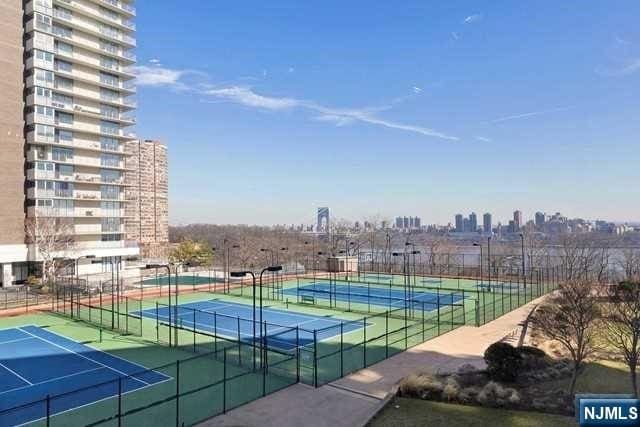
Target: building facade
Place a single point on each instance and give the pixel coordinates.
(487, 226)
(147, 210)
(66, 104)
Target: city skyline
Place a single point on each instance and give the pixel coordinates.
(267, 127)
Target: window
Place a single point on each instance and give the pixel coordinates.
(111, 238)
(44, 186)
(109, 95)
(109, 192)
(64, 83)
(44, 203)
(64, 118)
(109, 47)
(61, 31)
(46, 112)
(109, 31)
(62, 12)
(46, 93)
(110, 208)
(62, 154)
(63, 99)
(109, 127)
(109, 63)
(44, 166)
(43, 59)
(64, 66)
(64, 48)
(109, 14)
(64, 189)
(63, 207)
(65, 136)
(109, 175)
(112, 160)
(108, 143)
(64, 170)
(45, 76)
(43, 22)
(108, 79)
(110, 225)
(109, 111)
(45, 131)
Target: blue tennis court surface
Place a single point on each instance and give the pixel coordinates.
(233, 320)
(35, 363)
(382, 296)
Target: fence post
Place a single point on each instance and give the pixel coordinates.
(194, 331)
(178, 392)
(315, 358)
(48, 409)
(386, 334)
(119, 401)
(297, 354)
(422, 321)
(364, 349)
(239, 344)
(224, 381)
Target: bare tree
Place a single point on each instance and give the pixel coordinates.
(52, 238)
(622, 325)
(629, 263)
(570, 317)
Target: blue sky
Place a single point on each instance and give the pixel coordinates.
(426, 108)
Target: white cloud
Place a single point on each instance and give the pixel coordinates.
(455, 35)
(631, 67)
(530, 114)
(291, 70)
(473, 18)
(483, 139)
(246, 96)
(157, 76)
(154, 61)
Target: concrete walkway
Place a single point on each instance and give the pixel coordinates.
(353, 400)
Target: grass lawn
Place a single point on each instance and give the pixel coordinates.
(602, 376)
(415, 412)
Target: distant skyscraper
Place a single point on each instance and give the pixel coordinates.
(486, 223)
(540, 220)
(405, 222)
(473, 222)
(459, 223)
(411, 222)
(399, 222)
(416, 222)
(517, 221)
(466, 226)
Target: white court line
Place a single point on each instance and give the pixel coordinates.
(16, 340)
(51, 380)
(84, 357)
(146, 370)
(17, 374)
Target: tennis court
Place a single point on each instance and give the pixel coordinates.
(375, 295)
(285, 330)
(36, 363)
(182, 280)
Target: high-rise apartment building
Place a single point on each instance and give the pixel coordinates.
(473, 222)
(459, 223)
(487, 226)
(517, 221)
(66, 79)
(147, 195)
(540, 219)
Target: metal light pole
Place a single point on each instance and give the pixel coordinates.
(150, 266)
(480, 245)
(489, 260)
(524, 273)
(253, 276)
(272, 269)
